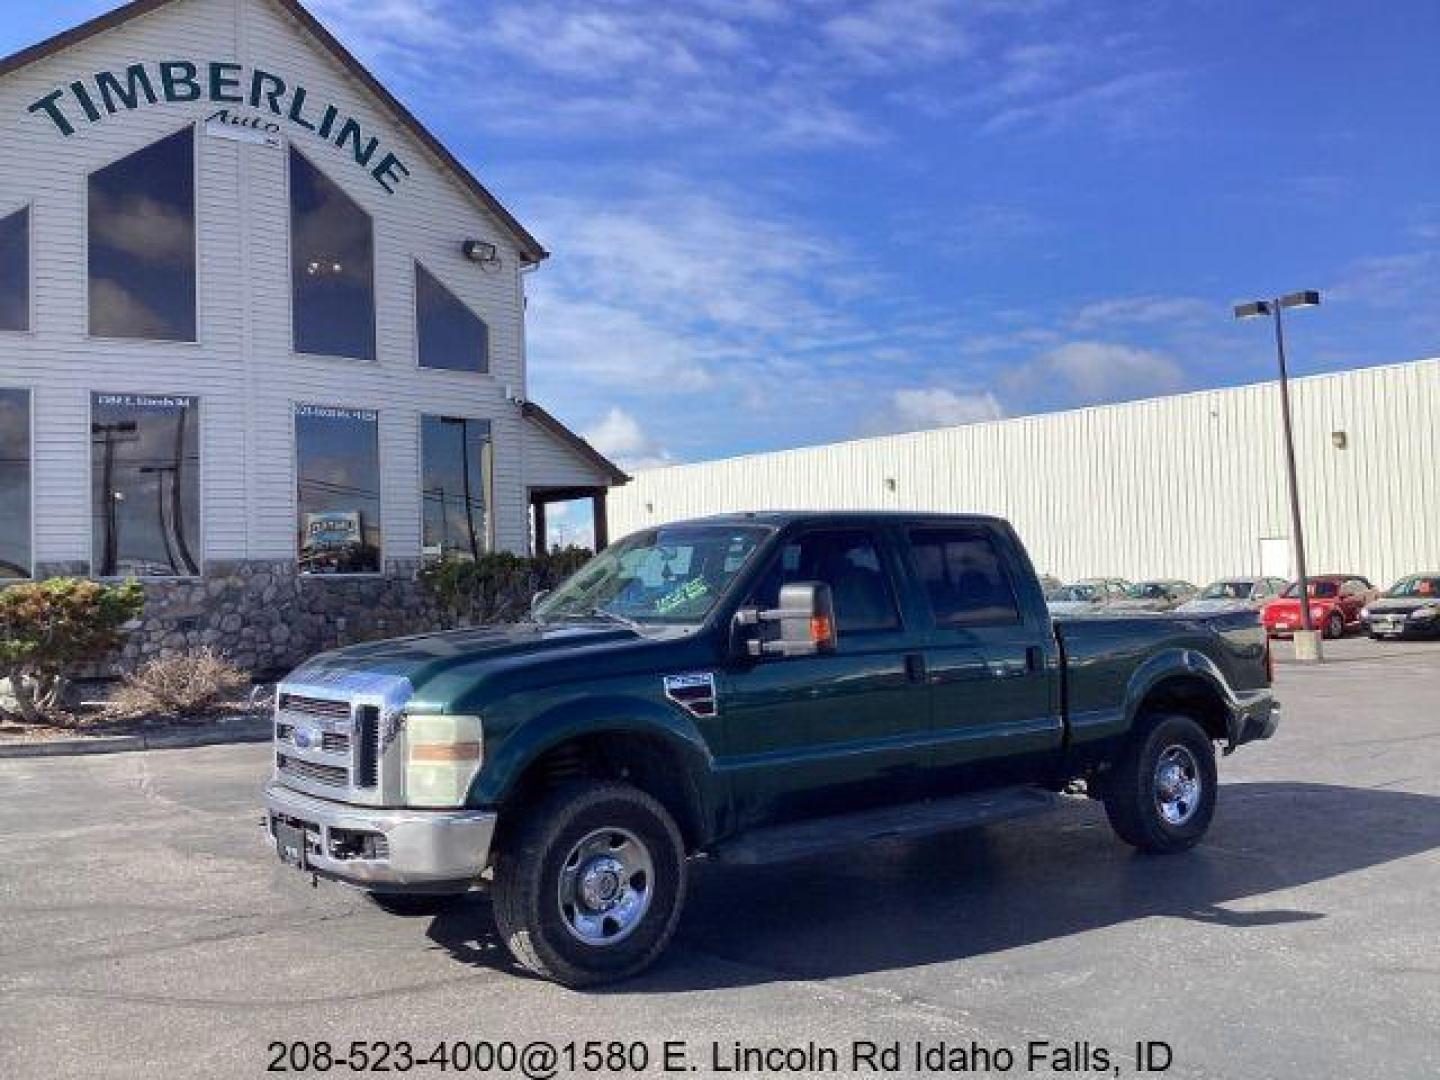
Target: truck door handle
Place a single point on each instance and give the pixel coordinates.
(915, 667)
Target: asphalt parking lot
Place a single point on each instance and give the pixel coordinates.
(145, 932)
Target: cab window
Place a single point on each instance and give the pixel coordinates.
(964, 577)
(849, 562)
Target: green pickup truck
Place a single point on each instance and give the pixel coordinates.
(745, 688)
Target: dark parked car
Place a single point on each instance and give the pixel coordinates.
(1410, 609)
(1336, 601)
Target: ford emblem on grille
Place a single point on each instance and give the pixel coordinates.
(307, 736)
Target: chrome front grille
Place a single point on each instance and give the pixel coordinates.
(329, 775)
(333, 731)
(313, 706)
(331, 742)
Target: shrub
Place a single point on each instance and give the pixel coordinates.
(190, 684)
(499, 586)
(48, 628)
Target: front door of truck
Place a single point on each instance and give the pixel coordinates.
(836, 731)
(995, 713)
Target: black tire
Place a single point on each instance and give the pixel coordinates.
(415, 903)
(1132, 791)
(1335, 626)
(527, 889)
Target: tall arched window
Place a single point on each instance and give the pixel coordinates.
(15, 270)
(332, 264)
(449, 334)
(142, 243)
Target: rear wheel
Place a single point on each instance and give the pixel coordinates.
(589, 887)
(1335, 625)
(1160, 796)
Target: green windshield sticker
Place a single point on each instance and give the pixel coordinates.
(694, 589)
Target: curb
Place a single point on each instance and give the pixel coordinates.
(246, 730)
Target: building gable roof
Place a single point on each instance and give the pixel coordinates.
(546, 422)
(531, 250)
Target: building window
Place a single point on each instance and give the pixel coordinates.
(14, 484)
(15, 270)
(450, 335)
(142, 243)
(456, 468)
(332, 262)
(337, 457)
(145, 473)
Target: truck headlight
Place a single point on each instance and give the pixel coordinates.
(1425, 613)
(442, 756)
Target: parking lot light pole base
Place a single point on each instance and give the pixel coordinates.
(1307, 646)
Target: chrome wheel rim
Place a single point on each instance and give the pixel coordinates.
(1178, 787)
(606, 883)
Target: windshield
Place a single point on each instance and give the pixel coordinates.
(1228, 590)
(1148, 590)
(1073, 592)
(1418, 586)
(673, 574)
(1321, 589)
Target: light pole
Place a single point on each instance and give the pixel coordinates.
(1308, 646)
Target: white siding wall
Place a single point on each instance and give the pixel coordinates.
(1174, 487)
(243, 368)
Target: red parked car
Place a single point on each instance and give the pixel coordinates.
(1336, 601)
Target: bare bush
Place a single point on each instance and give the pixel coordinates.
(191, 684)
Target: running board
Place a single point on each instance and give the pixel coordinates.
(781, 843)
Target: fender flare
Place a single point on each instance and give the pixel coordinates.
(589, 717)
(1188, 663)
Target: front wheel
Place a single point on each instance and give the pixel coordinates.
(588, 888)
(1160, 796)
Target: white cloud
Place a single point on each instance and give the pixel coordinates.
(1091, 372)
(620, 437)
(933, 407)
(1148, 310)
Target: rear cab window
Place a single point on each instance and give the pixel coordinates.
(963, 575)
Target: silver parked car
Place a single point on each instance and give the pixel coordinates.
(1154, 596)
(1235, 594)
(1085, 596)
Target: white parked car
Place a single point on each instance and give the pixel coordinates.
(1164, 595)
(1235, 594)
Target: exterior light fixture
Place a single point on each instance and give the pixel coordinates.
(1339, 440)
(480, 251)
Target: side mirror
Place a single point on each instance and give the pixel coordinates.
(803, 624)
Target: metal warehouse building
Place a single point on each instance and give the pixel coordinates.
(1190, 486)
(262, 336)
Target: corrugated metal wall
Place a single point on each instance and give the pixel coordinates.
(1182, 486)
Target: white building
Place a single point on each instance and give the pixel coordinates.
(255, 323)
(1190, 486)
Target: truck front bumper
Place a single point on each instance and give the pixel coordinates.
(1257, 716)
(379, 849)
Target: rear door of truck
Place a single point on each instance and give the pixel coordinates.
(990, 657)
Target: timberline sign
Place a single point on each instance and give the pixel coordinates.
(224, 83)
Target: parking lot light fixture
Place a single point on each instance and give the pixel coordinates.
(1307, 642)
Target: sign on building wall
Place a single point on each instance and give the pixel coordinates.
(250, 99)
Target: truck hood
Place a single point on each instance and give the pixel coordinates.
(423, 658)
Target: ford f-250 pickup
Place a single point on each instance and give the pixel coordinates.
(744, 688)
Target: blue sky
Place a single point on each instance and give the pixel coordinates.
(782, 222)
